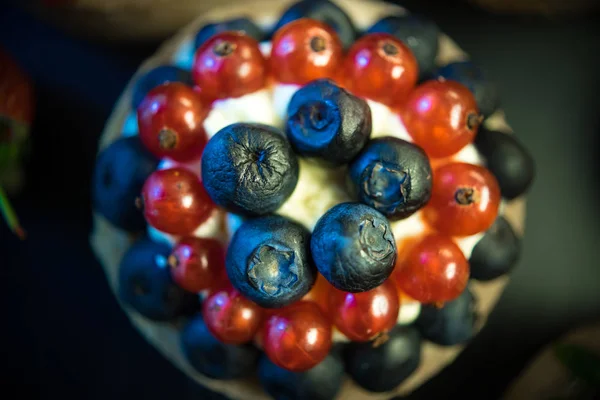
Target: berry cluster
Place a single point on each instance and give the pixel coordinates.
(275, 284)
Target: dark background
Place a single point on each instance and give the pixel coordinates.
(62, 331)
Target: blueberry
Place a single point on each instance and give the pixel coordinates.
(120, 172)
(419, 33)
(383, 368)
(212, 358)
(450, 325)
(243, 25)
(268, 261)
(322, 382)
(353, 247)
(393, 176)
(156, 77)
(496, 253)
(508, 160)
(145, 283)
(249, 169)
(328, 122)
(475, 79)
(324, 11)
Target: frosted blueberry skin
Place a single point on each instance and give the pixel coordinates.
(328, 122)
(450, 325)
(145, 283)
(268, 261)
(383, 368)
(353, 247)
(393, 176)
(474, 78)
(156, 77)
(496, 253)
(210, 357)
(417, 32)
(249, 169)
(244, 25)
(324, 11)
(508, 160)
(120, 172)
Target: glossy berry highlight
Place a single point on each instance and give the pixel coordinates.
(197, 263)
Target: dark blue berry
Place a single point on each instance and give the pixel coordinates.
(450, 325)
(243, 25)
(145, 283)
(496, 253)
(156, 77)
(328, 122)
(508, 160)
(120, 172)
(393, 176)
(383, 368)
(249, 169)
(268, 261)
(475, 79)
(353, 247)
(419, 33)
(212, 358)
(321, 382)
(324, 11)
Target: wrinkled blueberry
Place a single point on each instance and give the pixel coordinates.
(243, 25)
(496, 253)
(156, 77)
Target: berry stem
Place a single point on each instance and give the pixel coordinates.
(10, 216)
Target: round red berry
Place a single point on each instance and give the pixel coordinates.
(175, 201)
(380, 67)
(229, 64)
(319, 294)
(170, 120)
(362, 316)
(433, 271)
(197, 263)
(298, 337)
(305, 50)
(464, 200)
(441, 116)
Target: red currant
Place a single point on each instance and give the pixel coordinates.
(298, 337)
(362, 316)
(380, 67)
(175, 201)
(464, 199)
(319, 294)
(305, 50)
(197, 263)
(229, 64)
(434, 271)
(231, 317)
(441, 116)
(170, 120)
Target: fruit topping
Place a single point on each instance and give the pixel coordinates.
(393, 176)
(156, 77)
(328, 122)
(249, 168)
(381, 68)
(170, 122)
(197, 263)
(268, 261)
(241, 25)
(353, 247)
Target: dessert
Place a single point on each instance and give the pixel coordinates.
(345, 196)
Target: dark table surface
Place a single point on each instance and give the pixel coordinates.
(62, 331)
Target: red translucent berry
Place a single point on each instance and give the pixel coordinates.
(362, 316)
(175, 201)
(229, 64)
(170, 120)
(305, 50)
(434, 271)
(298, 337)
(441, 116)
(319, 294)
(230, 317)
(380, 67)
(197, 263)
(464, 199)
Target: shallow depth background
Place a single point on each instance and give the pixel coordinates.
(63, 332)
